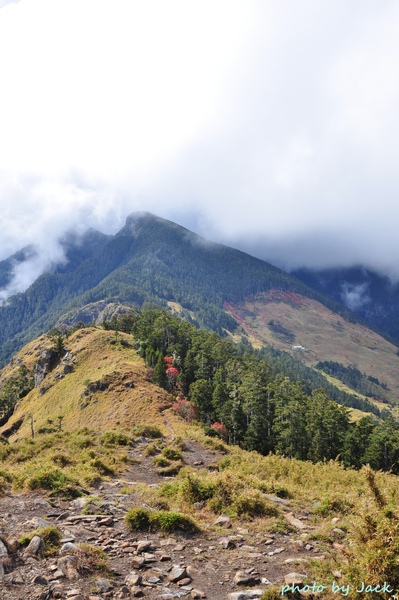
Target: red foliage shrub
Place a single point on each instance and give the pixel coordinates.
(186, 410)
(221, 429)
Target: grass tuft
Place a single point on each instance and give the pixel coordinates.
(142, 519)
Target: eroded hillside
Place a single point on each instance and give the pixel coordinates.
(310, 331)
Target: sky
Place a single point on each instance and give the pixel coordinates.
(268, 125)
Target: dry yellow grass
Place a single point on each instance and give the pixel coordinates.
(324, 334)
(129, 400)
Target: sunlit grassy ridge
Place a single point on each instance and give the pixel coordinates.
(97, 356)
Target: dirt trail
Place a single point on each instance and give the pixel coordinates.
(225, 558)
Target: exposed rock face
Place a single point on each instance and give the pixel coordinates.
(44, 365)
(96, 312)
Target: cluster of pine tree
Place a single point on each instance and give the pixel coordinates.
(261, 410)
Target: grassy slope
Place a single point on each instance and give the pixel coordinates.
(324, 334)
(316, 493)
(95, 356)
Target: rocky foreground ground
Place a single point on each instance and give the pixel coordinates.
(229, 560)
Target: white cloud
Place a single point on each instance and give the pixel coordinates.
(266, 124)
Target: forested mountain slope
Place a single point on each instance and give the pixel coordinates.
(149, 260)
(103, 378)
(371, 295)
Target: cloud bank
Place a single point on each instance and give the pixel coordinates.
(269, 126)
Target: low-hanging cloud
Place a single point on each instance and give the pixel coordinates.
(355, 297)
(269, 126)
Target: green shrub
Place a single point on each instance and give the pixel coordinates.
(195, 489)
(179, 443)
(48, 478)
(115, 438)
(161, 461)
(61, 459)
(273, 593)
(374, 541)
(5, 480)
(169, 521)
(149, 431)
(101, 467)
(153, 449)
(250, 504)
(281, 492)
(172, 453)
(171, 470)
(91, 559)
(141, 519)
(281, 526)
(330, 506)
(138, 519)
(210, 443)
(209, 431)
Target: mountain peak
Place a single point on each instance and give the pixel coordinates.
(140, 220)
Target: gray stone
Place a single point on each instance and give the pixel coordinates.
(68, 566)
(243, 578)
(197, 594)
(138, 562)
(3, 550)
(227, 543)
(294, 521)
(133, 579)
(37, 522)
(68, 547)
(36, 545)
(40, 580)
(80, 503)
(294, 578)
(177, 573)
(103, 585)
(223, 521)
(245, 595)
(143, 545)
(184, 582)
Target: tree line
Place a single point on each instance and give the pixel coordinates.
(238, 388)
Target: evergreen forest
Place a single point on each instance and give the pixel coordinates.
(247, 399)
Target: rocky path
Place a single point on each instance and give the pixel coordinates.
(226, 561)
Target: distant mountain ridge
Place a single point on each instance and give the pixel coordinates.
(372, 296)
(150, 260)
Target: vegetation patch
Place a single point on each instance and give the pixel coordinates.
(171, 469)
(60, 463)
(250, 504)
(172, 453)
(153, 448)
(115, 438)
(91, 559)
(142, 519)
(148, 431)
(51, 537)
